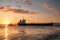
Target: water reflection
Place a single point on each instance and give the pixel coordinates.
(26, 33)
(6, 32)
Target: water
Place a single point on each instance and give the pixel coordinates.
(27, 32)
(6, 32)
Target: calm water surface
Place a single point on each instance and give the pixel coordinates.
(27, 32)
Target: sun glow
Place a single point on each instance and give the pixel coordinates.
(6, 22)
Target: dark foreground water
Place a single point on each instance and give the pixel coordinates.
(30, 33)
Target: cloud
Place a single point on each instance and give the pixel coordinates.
(50, 8)
(20, 11)
(46, 6)
(11, 8)
(1, 7)
(29, 2)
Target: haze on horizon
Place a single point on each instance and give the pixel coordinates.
(34, 11)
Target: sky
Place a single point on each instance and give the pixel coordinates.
(38, 11)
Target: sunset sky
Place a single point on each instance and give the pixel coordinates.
(34, 11)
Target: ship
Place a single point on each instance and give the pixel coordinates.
(23, 23)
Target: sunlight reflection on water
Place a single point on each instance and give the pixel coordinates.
(6, 32)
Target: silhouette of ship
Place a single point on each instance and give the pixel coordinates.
(23, 23)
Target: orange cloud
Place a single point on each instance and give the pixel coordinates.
(50, 8)
(46, 6)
